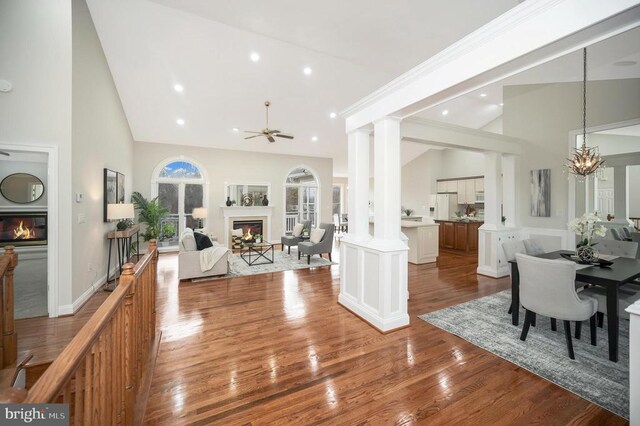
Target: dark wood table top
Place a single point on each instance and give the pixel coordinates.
(622, 271)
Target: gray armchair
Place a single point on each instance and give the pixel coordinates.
(290, 240)
(547, 287)
(324, 246)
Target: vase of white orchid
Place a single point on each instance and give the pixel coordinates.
(587, 227)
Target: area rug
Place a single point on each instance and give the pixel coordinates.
(485, 323)
(281, 262)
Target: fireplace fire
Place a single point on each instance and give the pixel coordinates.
(23, 228)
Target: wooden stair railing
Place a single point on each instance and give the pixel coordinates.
(100, 373)
(9, 340)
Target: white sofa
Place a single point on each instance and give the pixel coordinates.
(189, 259)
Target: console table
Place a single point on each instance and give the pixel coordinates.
(123, 241)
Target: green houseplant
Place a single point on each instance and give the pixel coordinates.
(151, 213)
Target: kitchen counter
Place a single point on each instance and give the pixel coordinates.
(459, 234)
(423, 241)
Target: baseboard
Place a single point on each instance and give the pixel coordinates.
(381, 325)
(84, 297)
(491, 273)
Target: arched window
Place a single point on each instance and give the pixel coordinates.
(302, 197)
(180, 186)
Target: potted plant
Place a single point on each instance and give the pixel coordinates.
(168, 232)
(587, 227)
(258, 238)
(151, 213)
(305, 232)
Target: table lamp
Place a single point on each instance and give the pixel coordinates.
(120, 212)
(200, 213)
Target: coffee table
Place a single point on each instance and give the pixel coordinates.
(257, 253)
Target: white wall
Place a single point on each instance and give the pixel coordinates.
(101, 138)
(235, 167)
(35, 47)
(457, 163)
(419, 181)
(544, 114)
(494, 126)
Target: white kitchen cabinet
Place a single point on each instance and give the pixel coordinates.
(479, 184)
(452, 186)
(470, 191)
(462, 194)
(441, 187)
(423, 242)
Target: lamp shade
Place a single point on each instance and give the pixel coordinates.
(200, 213)
(120, 211)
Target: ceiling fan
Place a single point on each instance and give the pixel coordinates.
(5, 153)
(268, 133)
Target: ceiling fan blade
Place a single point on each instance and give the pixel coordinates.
(250, 131)
(271, 139)
(284, 135)
(273, 132)
(5, 153)
(254, 136)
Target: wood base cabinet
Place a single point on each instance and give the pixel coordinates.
(459, 235)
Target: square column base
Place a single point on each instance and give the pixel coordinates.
(491, 259)
(374, 280)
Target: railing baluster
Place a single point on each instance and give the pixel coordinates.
(101, 371)
(9, 343)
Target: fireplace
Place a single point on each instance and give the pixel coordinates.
(255, 226)
(23, 228)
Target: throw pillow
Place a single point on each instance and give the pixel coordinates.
(316, 235)
(236, 232)
(188, 242)
(297, 229)
(202, 241)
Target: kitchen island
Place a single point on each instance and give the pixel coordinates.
(459, 234)
(422, 239)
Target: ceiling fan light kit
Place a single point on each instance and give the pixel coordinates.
(266, 132)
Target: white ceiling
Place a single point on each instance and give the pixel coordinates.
(352, 47)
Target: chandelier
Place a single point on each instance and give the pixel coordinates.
(586, 161)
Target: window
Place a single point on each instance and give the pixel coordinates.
(337, 199)
(179, 185)
(301, 198)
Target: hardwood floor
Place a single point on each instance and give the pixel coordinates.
(278, 349)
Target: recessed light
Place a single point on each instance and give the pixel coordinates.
(445, 112)
(235, 129)
(625, 63)
(333, 115)
(254, 57)
(180, 122)
(314, 138)
(501, 103)
(178, 88)
(483, 95)
(307, 71)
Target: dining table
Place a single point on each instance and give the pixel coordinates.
(622, 271)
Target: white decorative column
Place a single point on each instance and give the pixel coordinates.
(491, 261)
(373, 275)
(634, 364)
(621, 194)
(358, 161)
(509, 189)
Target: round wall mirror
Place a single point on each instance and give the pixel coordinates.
(22, 188)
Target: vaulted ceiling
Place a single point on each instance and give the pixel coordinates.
(351, 47)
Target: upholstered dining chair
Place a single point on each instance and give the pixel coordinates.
(325, 245)
(627, 249)
(533, 247)
(291, 240)
(626, 299)
(626, 233)
(616, 234)
(547, 287)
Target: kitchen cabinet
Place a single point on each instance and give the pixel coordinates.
(448, 234)
(441, 187)
(470, 191)
(423, 241)
(459, 235)
(462, 192)
(479, 184)
(452, 186)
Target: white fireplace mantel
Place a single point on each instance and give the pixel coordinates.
(231, 212)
